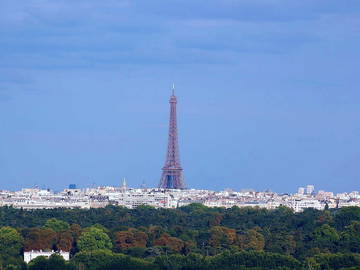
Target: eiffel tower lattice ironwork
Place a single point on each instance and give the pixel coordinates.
(172, 172)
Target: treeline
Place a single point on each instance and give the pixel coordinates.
(191, 237)
(244, 260)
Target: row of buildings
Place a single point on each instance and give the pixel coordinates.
(34, 198)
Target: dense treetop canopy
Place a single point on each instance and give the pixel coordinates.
(191, 237)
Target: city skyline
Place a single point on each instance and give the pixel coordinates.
(269, 93)
(99, 197)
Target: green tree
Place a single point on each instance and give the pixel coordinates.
(118, 261)
(92, 259)
(10, 242)
(94, 239)
(101, 227)
(139, 252)
(350, 238)
(54, 262)
(253, 260)
(178, 262)
(337, 261)
(346, 215)
(39, 263)
(106, 260)
(11, 267)
(57, 225)
(280, 242)
(16, 263)
(326, 237)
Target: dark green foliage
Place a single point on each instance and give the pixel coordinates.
(106, 260)
(57, 225)
(139, 252)
(337, 261)
(55, 262)
(16, 263)
(350, 238)
(92, 259)
(178, 262)
(326, 238)
(345, 216)
(94, 239)
(187, 238)
(192, 217)
(10, 242)
(250, 259)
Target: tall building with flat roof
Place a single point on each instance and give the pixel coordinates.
(301, 191)
(310, 189)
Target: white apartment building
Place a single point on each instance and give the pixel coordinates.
(137, 198)
(324, 195)
(299, 205)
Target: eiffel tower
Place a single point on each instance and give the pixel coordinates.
(172, 172)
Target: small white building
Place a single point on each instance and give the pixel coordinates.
(30, 255)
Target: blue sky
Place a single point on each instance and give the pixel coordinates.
(268, 92)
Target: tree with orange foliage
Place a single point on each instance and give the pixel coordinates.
(154, 232)
(39, 239)
(215, 219)
(252, 240)
(64, 241)
(130, 238)
(173, 243)
(76, 231)
(221, 236)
